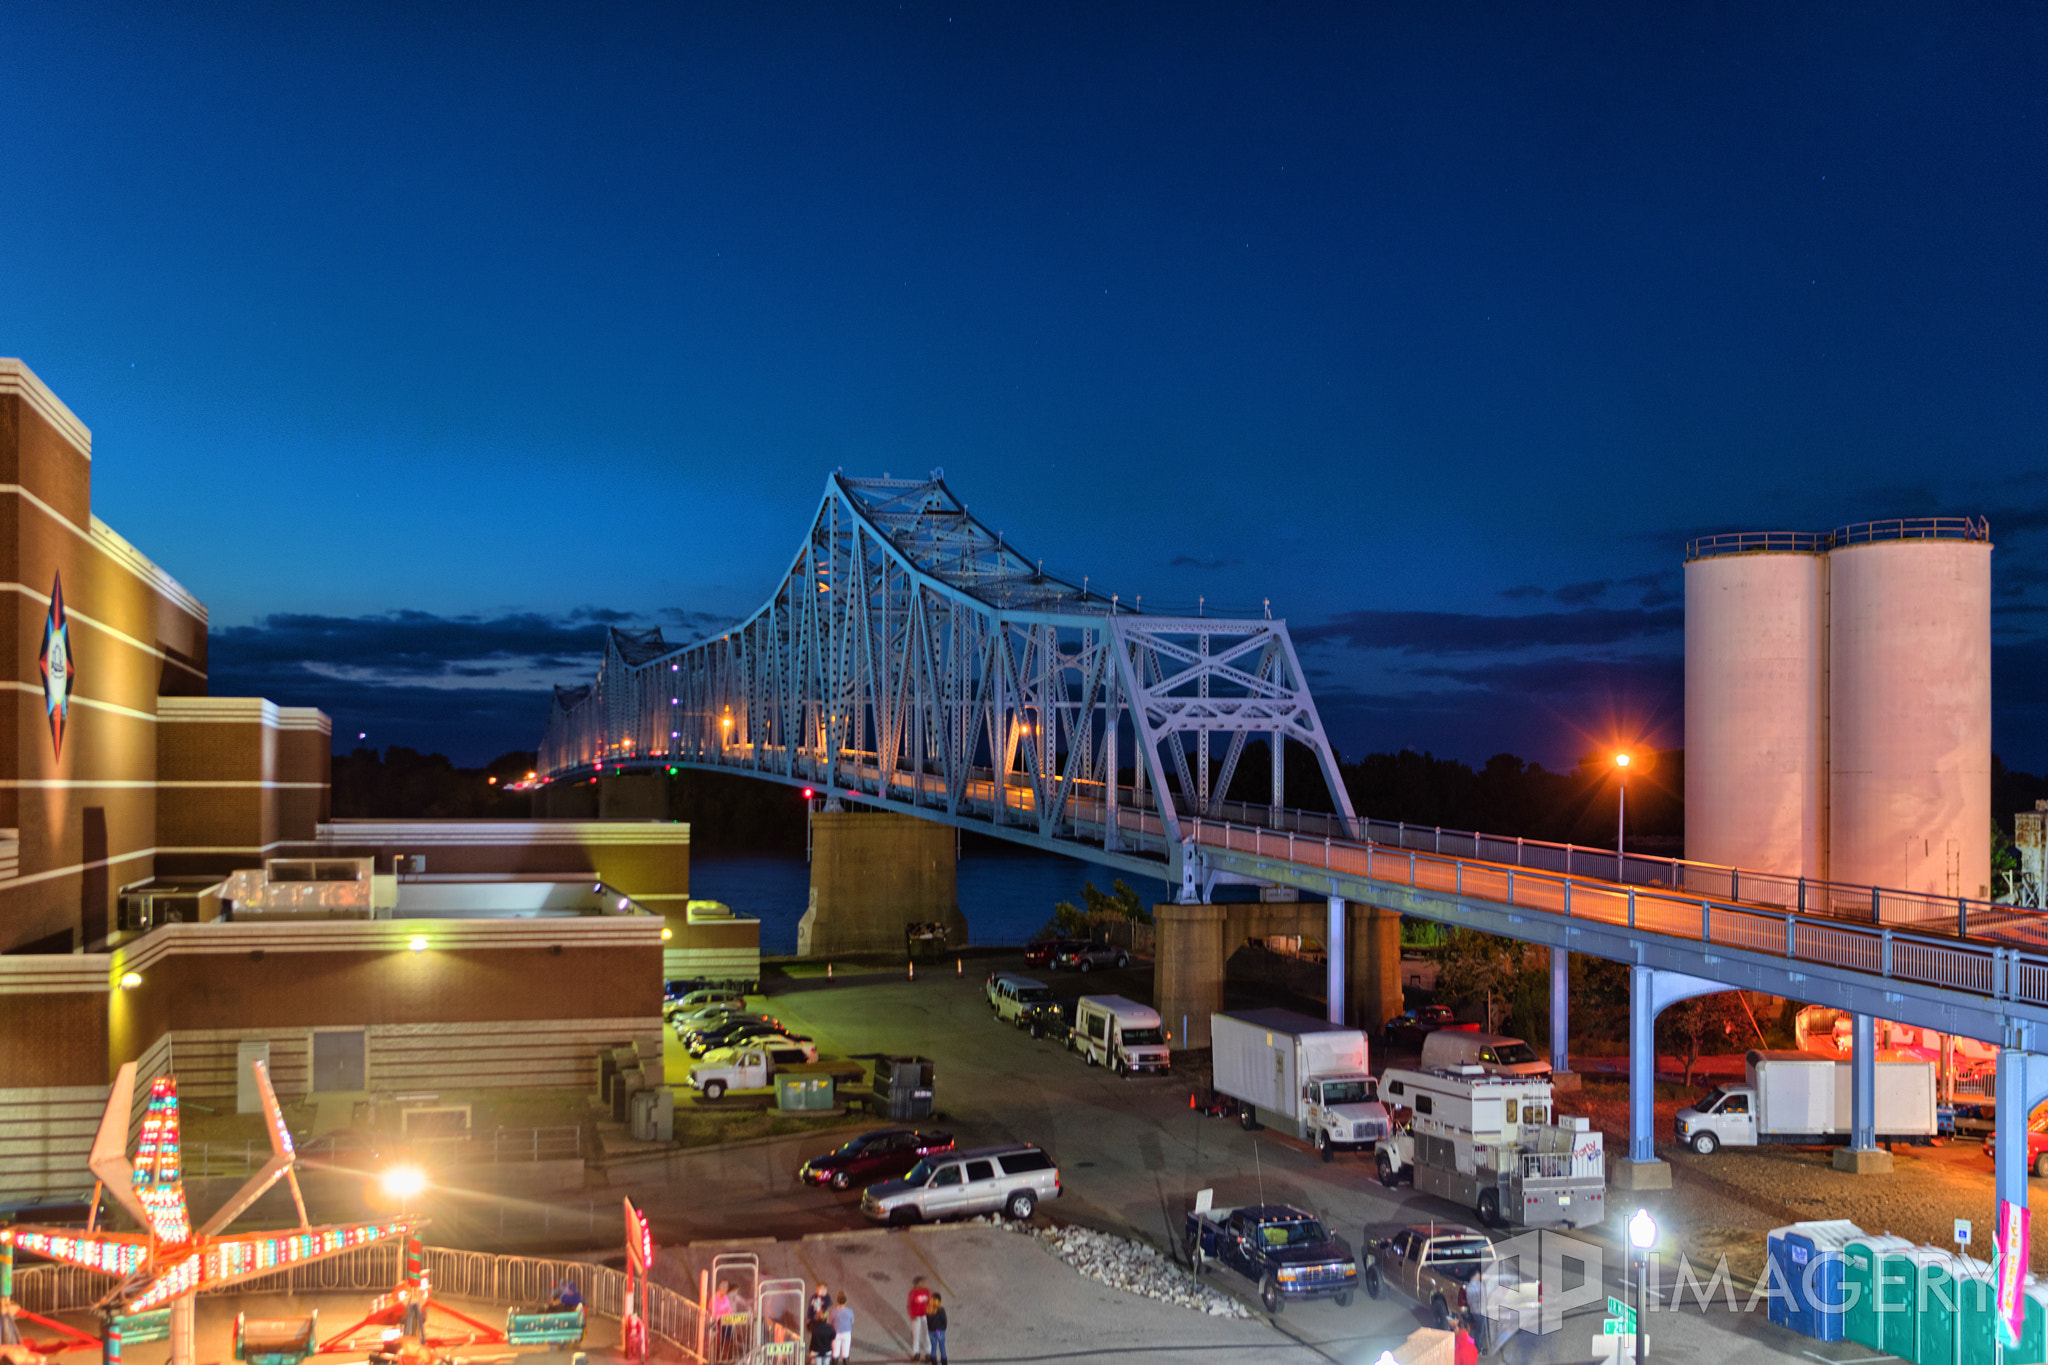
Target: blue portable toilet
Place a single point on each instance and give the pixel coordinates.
(1806, 1263)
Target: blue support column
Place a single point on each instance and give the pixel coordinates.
(1339, 963)
(1863, 1156)
(1560, 1012)
(1648, 993)
(2022, 1085)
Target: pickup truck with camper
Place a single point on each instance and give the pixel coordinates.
(1121, 1034)
(1455, 1272)
(1309, 1073)
(1285, 1252)
(1798, 1097)
(1449, 1048)
(1490, 1143)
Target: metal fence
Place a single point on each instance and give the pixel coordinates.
(515, 1281)
(562, 1142)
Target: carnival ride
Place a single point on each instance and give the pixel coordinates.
(159, 1270)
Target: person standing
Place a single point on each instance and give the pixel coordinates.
(821, 1340)
(842, 1330)
(821, 1303)
(919, 1305)
(935, 1322)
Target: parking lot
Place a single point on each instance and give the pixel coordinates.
(1132, 1156)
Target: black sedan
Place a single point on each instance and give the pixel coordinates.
(882, 1155)
(1405, 1032)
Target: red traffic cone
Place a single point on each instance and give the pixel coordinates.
(958, 968)
(828, 971)
(913, 969)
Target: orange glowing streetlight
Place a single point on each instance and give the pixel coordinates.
(1621, 762)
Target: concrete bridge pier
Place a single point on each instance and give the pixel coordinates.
(1194, 943)
(1863, 1156)
(873, 875)
(1649, 993)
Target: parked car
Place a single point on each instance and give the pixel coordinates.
(1014, 997)
(696, 1000)
(2037, 1143)
(1448, 1049)
(1282, 1250)
(1453, 1271)
(701, 1041)
(754, 1035)
(881, 1155)
(1406, 1031)
(683, 1021)
(1088, 956)
(1054, 1021)
(1042, 952)
(1011, 1179)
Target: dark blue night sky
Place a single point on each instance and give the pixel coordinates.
(421, 341)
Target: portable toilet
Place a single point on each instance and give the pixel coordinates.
(1806, 1262)
(1980, 1328)
(1944, 1302)
(1902, 1278)
(1861, 1257)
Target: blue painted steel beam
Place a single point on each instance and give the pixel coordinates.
(1863, 1085)
(1338, 960)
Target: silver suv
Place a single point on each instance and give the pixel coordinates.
(1012, 1178)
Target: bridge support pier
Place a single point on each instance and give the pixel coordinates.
(873, 875)
(1339, 960)
(1863, 1156)
(1649, 992)
(1193, 944)
(1562, 1077)
(2021, 1086)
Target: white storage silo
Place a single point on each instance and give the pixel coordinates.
(1756, 702)
(1909, 749)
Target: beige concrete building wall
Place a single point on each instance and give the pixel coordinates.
(1195, 944)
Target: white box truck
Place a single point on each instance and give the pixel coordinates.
(1310, 1073)
(1120, 1034)
(1798, 1097)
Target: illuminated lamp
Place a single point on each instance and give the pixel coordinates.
(130, 980)
(667, 933)
(418, 943)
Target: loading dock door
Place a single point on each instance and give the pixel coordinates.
(338, 1061)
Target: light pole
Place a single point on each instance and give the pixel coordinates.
(1642, 1235)
(1621, 820)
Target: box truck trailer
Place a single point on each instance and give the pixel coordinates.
(1800, 1098)
(1309, 1074)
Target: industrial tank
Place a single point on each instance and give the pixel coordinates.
(1756, 702)
(1909, 726)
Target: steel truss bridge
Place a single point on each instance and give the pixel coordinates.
(912, 660)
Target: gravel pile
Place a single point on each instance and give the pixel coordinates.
(1135, 1268)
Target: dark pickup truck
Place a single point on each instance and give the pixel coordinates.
(1282, 1250)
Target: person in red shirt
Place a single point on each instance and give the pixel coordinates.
(919, 1306)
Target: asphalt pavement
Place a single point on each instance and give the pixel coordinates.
(1132, 1156)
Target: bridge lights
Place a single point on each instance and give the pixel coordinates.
(1621, 762)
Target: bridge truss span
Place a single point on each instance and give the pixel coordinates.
(913, 659)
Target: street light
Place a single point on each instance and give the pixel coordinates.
(1621, 761)
(1642, 1235)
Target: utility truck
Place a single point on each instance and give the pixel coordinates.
(1801, 1098)
(1495, 1145)
(1308, 1073)
(1121, 1034)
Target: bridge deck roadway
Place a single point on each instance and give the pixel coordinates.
(1914, 970)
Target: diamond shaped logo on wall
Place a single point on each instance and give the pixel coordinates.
(57, 666)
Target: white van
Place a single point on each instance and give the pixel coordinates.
(1014, 998)
(1120, 1034)
(1448, 1049)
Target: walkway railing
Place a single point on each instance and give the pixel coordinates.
(514, 1281)
(1816, 936)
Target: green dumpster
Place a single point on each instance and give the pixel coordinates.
(796, 1090)
(1861, 1259)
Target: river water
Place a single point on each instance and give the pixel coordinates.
(1007, 897)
